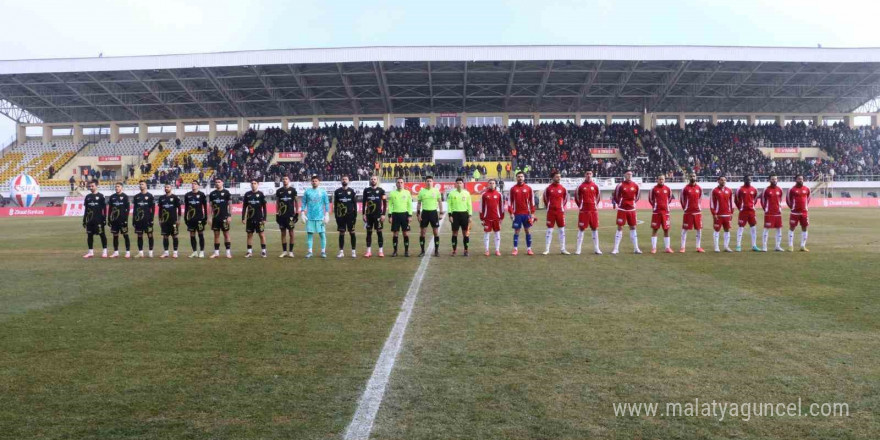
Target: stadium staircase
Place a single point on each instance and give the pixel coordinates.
(155, 159)
(332, 150)
(669, 152)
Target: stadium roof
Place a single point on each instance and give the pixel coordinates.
(441, 79)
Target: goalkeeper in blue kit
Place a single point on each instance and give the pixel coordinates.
(316, 208)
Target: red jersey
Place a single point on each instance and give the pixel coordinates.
(555, 197)
(626, 195)
(771, 200)
(522, 201)
(690, 198)
(659, 198)
(798, 199)
(721, 202)
(746, 198)
(492, 206)
(588, 196)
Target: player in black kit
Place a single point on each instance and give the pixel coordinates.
(253, 216)
(345, 208)
(144, 212)
(169, 219)
(375, 204)
(195, 216)
(94, 220)
(286, 214)
(117, 215)
(220, 199)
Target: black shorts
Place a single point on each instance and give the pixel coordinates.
(95, 228)
(460, 220)
(285, 222)
(399, 221)
(220, 225)
(254, 226)
(168, 228)
(119, 228)
(195, 226)
(430, 218)
(346, 223)
(373, 222)
(142, 227)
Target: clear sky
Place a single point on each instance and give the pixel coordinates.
(85, 28)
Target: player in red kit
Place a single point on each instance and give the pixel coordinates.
(587, 198)
(745, 200)
(721, 207)
(659, 198)
(625, 197)
(690, 198)
(771, 202)
(798, 200)
(555, 197)
(522, 211)
(491, 214)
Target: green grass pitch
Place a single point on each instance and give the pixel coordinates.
(497, 348)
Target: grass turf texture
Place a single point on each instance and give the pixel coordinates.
(524, 347)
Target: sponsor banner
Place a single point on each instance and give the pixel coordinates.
(786, 150)
(109, 160)
(73, 206)
(448, 115)
(839, 202)
(53, 211)
(603, 151)
(290, 157)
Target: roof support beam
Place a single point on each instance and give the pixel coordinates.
(304, 89)
(84, 98)
(155, 93)
(383, 85)
(355, 105)
(543, 85)
(190, 93)
(464, 89)
(848, 90)
(587, 85)
(224, 91)
(17, 114)
(42, 98)
(272, 91)
(509, 85)
(114, 96)
(431, 87)
(667, 87)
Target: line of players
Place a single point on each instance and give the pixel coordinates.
(397, 205)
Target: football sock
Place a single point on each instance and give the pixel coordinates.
(726, 239)
(766, 237)
(127, 241)
(699, 237)
(529, 240)
(467, 240)
(310, 240)
(369, 238)
(562, 238)
(151, 241)
(90, 240)
(653, 242)
(394, 241)
(323, 241)
(580, 240)
(454, 243)
(422, 242)
(739, 237)
(498, 240)
(103, 240)
(406, 243)
(804, 236)
(140, 241)
(516, 241)
(165, 243)
(667, 242)
(192, 242)
(353, 240)
(436, 242)
(684, 238)
(486, 241)
(634, 237)
(791, 238)
(617, 236)
(341, 240)
(754, 234)
(379, 240)
(175, 242)
(116, 242)
(548, 238)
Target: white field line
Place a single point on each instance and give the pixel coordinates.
(362, 422)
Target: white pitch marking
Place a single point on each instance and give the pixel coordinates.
(362, 422)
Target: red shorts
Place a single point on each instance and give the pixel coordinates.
(626, 218)
(588, 219)
(721, 222)
(772, 221)
(491, 225)
(660, 220)
(799, 219)
(747, 217)
(692, 221)
(556, 218)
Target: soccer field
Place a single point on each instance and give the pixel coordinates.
(539, 347)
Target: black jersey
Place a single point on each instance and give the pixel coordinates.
(285, 202)
(144, 207)
(344, 202)
(117, 207)
(169, 208)
(220, 200)
(254, 207)
(196, 206)
(375, 202)
(94, 206)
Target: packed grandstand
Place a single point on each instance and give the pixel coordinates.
(358, 112)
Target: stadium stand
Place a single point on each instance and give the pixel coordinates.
(125, 147)
(39, 159)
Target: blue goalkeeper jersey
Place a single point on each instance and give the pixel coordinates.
(316, 203)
